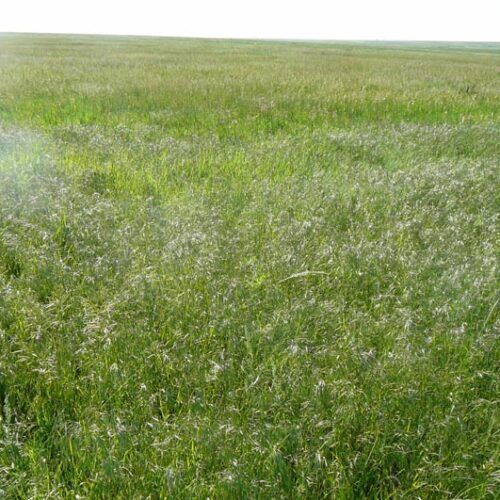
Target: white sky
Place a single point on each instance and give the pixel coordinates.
(311, 19)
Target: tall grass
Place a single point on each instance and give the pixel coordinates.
(248, 269)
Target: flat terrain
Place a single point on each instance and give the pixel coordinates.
(238, 269)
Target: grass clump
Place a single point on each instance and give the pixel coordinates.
(248, 269)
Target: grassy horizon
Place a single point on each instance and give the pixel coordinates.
(248, 269)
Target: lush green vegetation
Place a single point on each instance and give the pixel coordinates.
(237, 269)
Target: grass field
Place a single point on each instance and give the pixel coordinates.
(237, 269)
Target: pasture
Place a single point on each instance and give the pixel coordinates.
(248, 269)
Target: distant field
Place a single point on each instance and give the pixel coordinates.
(238, 269)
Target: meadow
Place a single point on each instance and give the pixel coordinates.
(248, 269)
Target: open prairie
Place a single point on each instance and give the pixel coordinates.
(241, 269)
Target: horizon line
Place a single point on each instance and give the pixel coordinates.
(259, 39)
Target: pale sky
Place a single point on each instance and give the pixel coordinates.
(474, 20)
